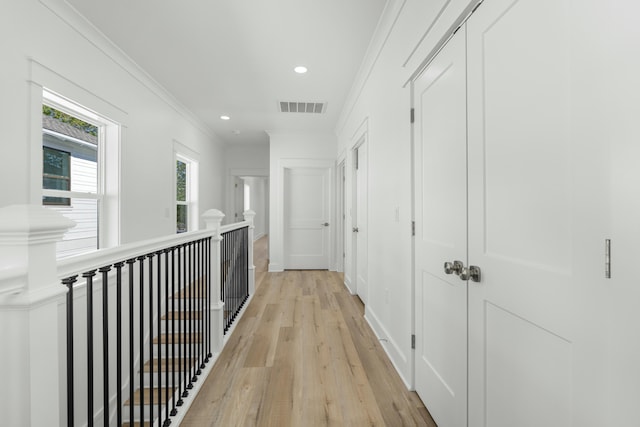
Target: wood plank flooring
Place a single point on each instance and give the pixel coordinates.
(303, 355)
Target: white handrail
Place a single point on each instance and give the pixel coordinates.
(234, 226)
(103, 257)
(99, 258)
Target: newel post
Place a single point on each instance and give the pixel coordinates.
(250, 216)
(213, 221)
(31, 335)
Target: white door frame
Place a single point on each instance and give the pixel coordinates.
(361, 140)
(276, 243)
(339, 231)
(230, 193)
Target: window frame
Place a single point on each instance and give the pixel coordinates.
(190, 159)
(107, 194)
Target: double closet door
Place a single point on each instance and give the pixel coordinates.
(493, 211)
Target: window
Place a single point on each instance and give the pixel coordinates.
(182, 204)
(74, 148)
(186, 194)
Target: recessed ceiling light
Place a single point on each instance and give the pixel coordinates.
(225, 117)
(300, 69)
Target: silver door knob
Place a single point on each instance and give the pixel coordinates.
(453, 267)
(326, 224)
(472, 272)
(355, 229)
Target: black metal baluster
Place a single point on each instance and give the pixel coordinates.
(69, 282)
(181, 327)
(200, 329)
(151, 402)
(89, 276)
(130, 263)
(236, 264)
(223, 280)
(105, 344)
(174, 411)
(185, 321)
(141, 340)
(245, 271)
(159, 318)
(118, 267)
(167, 421)
(209, 354)
(189, 337)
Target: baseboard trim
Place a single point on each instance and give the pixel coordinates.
(391, 348)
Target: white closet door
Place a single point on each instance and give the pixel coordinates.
(441, 234)
(520, 210)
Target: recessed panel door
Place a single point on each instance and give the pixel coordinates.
(520, 209)
(306, 218)
(441, 234)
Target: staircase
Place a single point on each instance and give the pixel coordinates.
(142, 321)
(179, 354)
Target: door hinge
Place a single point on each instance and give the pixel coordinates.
(413, 115)
(413, 228)
(607, 258)
(413, 341)
(356, 158)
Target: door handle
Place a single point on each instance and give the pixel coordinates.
(326, 224)
(453, 267)
(472, 272)
(355, 229)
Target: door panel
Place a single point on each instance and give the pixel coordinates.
(441, 234)
(520, 234)
(362, 282)
(306, 212)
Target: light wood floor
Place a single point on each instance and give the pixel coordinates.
(303, 355)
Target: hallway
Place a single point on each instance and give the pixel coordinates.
(303, 355)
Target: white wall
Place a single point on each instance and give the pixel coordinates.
(379, 106)
(243, 161)
(50, 45)
(285, 147)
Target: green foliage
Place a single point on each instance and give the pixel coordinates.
(181, 181)
(73, 121)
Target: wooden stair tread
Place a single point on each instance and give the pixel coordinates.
(183, 315)
(165, 362)
(178, 338)
(147, 396)
(199, 285)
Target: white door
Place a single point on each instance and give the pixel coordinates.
(361, 264)
(441, 234)
(520, 209)
(238, 200)
(306, 218)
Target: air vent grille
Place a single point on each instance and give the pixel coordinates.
(302, 107)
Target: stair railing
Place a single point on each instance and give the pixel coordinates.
(135, 329)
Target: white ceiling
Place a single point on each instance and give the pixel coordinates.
(236, 57)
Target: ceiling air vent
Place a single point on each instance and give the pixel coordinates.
(302, 107)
